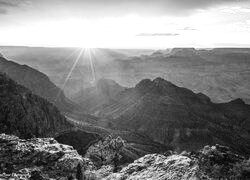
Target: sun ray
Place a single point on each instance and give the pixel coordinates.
(70, 56)
(92, 66)
(88, 54)
(69, 74)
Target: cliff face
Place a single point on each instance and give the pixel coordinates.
(37, 82)
(178, 117)
(38, 158)
(27, 115)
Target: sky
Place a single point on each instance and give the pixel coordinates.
(125, 23)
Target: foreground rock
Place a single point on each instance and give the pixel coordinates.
(156, 166)
(37, 158)
(45, 158)
(216, 162)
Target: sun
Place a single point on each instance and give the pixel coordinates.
(87, 41)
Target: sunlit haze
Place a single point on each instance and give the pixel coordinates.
(124, 24)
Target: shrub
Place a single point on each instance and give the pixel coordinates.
(107, 151)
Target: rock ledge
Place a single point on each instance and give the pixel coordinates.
(44, 157)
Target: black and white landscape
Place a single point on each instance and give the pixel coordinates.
(124, 90)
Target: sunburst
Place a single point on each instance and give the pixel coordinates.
(87, 55)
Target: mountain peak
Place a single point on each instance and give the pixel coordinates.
(156, 84)
(160, 81)
(108, 87)
(144, 85)
(107, 82)
(183, 52)
(157, 53)
(237, 101)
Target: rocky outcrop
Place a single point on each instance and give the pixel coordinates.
(215, 162)
(37, 158)
(230, 50)
(183, 52)
(45, 158)
(27, 115)
(158, 167)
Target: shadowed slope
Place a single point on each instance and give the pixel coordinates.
(37, 82)
(178, 117)
(25, 114)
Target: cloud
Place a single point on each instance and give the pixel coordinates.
(3, 11)
(176, 7)
(122, 7)
(158, 34)
(5, 4)
(11, 3)
(235, 10)
(188, 29)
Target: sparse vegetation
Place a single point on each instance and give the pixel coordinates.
(219, 162)
(106, 151)
(79, 172)
(25, 114)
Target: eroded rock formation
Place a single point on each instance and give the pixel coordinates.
(212, 162)
(37, 157)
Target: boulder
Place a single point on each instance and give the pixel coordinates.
(37, 158)
(158, 167)
(212, 162)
